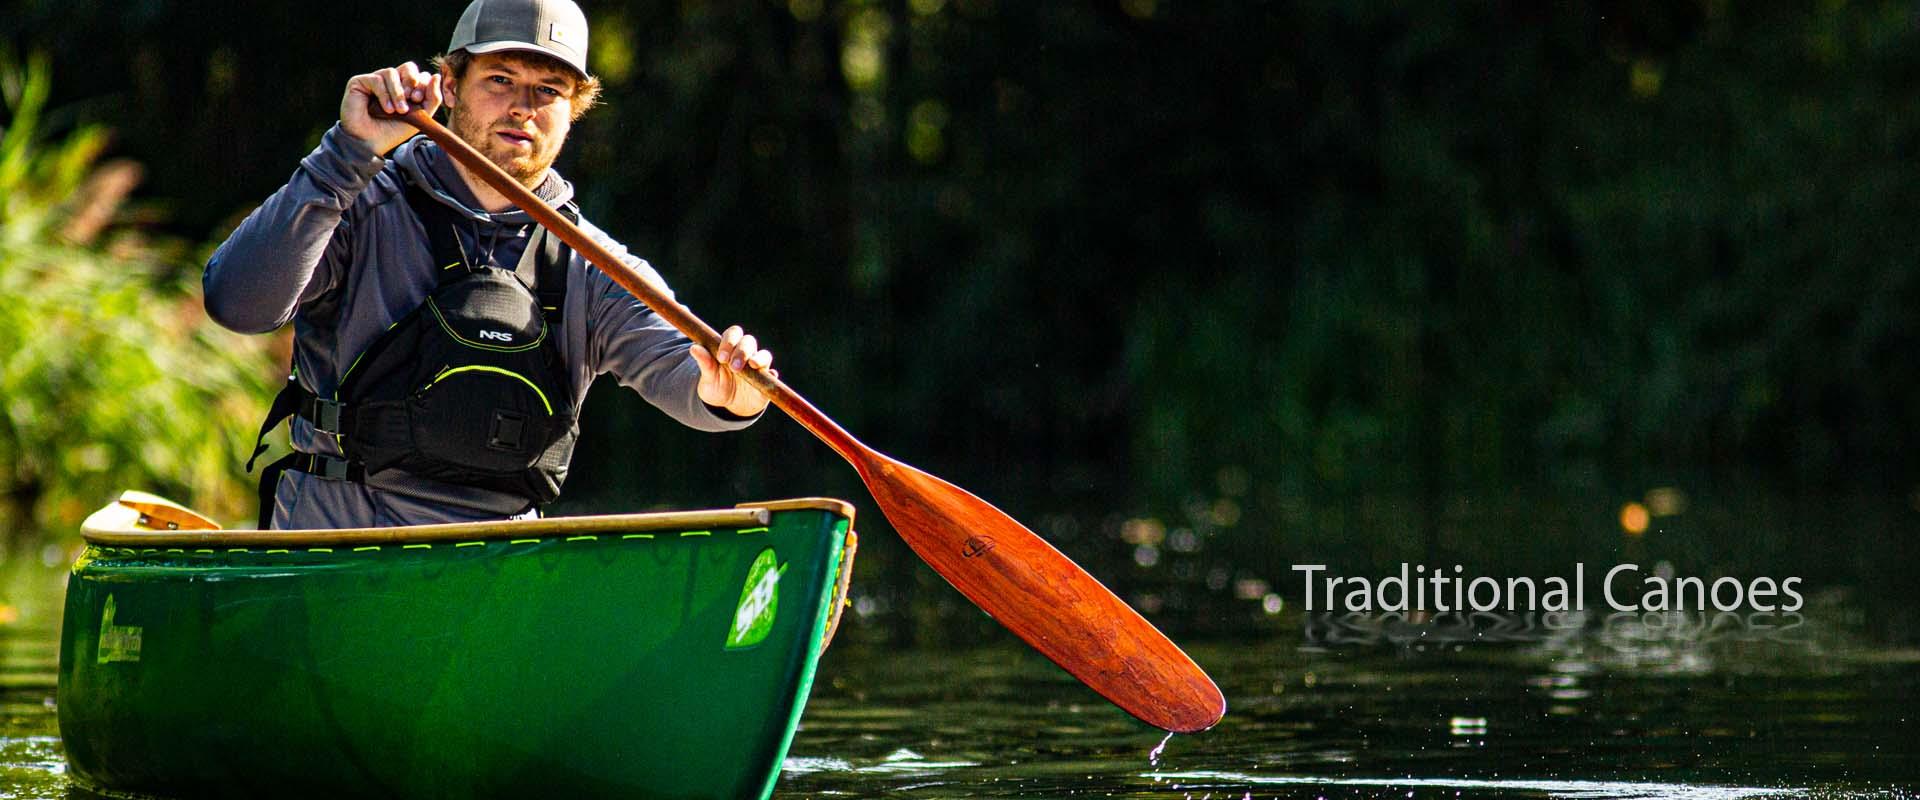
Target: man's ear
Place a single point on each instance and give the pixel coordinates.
(447, 92)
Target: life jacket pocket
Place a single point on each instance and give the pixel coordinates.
(483, 418)
(487, 315)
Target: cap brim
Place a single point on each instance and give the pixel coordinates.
(483, 48)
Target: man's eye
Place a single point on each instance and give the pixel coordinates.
(500, 79)
(550, 91)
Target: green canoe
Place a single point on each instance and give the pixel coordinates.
(636, 656)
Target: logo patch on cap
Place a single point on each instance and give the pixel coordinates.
(557, 34)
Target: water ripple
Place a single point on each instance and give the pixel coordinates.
(1572, 789)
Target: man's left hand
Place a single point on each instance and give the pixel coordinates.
(721, 384)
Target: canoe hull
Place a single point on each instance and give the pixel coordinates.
(539, 662)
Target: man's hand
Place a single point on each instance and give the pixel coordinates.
(395, 89)
(720, 383)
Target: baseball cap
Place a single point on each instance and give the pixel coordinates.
(555, 27)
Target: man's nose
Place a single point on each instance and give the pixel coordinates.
(522, 105)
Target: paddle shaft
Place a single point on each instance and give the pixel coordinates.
(1000, 565)
(677, 315)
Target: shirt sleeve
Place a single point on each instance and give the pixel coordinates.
(294, 246)
(628, 340)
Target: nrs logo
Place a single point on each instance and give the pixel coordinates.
(759, 602)
(498, 336)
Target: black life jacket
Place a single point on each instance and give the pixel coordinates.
(467, 389)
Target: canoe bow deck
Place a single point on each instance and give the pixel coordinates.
(635, 655)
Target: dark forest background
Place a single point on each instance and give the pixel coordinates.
(1202, 289)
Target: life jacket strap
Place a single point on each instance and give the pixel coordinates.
(285, 404)
(327, 416)
(543, 262)
(319, 466)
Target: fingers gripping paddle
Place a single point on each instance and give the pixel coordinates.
(1005, 569)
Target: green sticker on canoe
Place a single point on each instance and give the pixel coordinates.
(117, 642)
(759, 601)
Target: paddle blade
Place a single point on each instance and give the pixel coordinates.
(1045, 598)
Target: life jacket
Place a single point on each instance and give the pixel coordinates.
(468, 389)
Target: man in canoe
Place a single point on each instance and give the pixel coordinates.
(443, 342)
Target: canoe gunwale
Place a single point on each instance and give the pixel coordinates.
(115, 526)
(833, 504)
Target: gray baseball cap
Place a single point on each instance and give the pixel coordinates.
(555, 27)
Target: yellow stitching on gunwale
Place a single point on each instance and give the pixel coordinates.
(744, 531)
(129, 551)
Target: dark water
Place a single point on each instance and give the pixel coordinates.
(1631, 707)
(1628, 711)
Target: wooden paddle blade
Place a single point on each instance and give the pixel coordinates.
(1041, 595)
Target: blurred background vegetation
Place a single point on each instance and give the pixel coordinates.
(112, 376)
(1197, 289)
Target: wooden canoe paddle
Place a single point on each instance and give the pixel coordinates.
(1005, 569)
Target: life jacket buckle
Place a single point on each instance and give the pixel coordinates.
(330, 468)
(325, 416)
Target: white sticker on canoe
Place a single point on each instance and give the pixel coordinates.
(117, 642)
(759, 602)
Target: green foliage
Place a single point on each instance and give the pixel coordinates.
(111, 376)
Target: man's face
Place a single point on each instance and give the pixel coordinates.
(515, 111)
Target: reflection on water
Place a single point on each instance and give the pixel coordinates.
(30, 760)
(1665, 641)
(1635, 706)
(1653, 706)
(1609, 790)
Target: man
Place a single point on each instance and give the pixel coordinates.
(443, 342)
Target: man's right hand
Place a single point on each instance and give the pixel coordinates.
(395, 89)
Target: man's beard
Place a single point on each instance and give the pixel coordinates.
(526, 166)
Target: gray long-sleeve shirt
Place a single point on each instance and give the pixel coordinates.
(339, 253)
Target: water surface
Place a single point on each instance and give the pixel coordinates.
(1638, 707)
(1622, 708)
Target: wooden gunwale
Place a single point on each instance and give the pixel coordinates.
(833, 504)
(115, 526)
